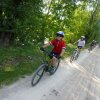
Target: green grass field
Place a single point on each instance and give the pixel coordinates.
(17, 62)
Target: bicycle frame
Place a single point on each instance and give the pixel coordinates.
(46, 58)
(75, 54)
(50, 62)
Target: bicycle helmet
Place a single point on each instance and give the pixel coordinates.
(60, 33)
(83, 37)
(93, 41)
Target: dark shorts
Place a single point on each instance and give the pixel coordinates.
(79, 47)
(54, 54)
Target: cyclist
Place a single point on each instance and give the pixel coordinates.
(59, 46)
(80, 43)
(92, 43)
(95, 42)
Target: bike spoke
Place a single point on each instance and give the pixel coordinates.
(37, 75)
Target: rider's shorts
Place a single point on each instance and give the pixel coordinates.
(79, 47)
(54, 54)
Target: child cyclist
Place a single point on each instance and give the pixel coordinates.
(59, 47)
(80, 43)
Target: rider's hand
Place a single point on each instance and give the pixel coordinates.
(41, 48)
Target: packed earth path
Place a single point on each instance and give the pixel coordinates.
(79, 80)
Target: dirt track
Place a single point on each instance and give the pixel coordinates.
(77, 81)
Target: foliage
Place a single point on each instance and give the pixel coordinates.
(30, 22)
(96, 24)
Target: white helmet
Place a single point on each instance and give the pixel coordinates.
(60, 33)
(83, 37)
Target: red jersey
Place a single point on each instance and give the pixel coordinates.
(58, 45)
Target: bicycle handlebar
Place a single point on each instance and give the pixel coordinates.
(44, 51)
(48, 53)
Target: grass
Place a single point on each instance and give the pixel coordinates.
(20, 61)
(16, 63)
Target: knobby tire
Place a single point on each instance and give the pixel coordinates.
(41, 68)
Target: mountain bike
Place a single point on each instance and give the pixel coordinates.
(45, 66)
(90, 48)
(75, 55)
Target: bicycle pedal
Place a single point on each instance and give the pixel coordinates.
(51, 70)
(47, 69)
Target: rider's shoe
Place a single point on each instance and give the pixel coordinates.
(51, 70)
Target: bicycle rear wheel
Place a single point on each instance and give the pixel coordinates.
(38, 75)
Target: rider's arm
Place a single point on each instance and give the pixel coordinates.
(76, 42)
(61, 54)
(46, 45)
(63, 49)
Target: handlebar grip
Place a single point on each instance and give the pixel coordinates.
(42, 49)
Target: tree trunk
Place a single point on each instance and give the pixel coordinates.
(5, 39)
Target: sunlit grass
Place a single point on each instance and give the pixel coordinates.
(17, 62)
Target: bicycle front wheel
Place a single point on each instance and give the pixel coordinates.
(76, 56)
(90, 48)
(73, 56)
(38, 75)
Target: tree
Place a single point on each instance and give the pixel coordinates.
(19, 21)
